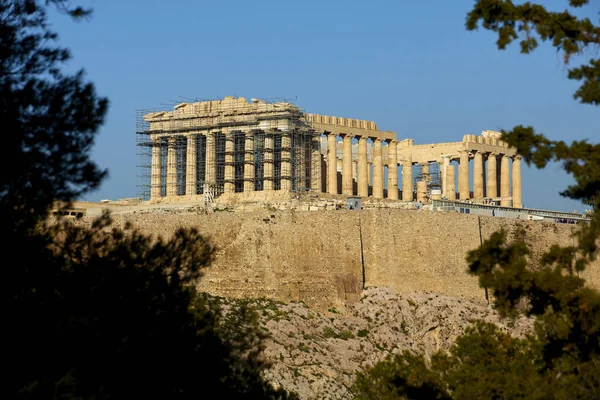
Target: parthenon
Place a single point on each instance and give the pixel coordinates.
(263, 150)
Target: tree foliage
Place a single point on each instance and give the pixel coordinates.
(96, 312)
(399, 376)
(103, 312)
(484, 363)
(49, 118)
(530, 22)
(560, 359)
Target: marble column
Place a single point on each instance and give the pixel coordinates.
(407, 183)
(492, 180)
(210, 174)
(268, 162)
(331, 163)
(286, 162)
(517, 192)
(347, 165)
(339, 174)
(156, 177)
(363, 168)
(315, 164)
(445, 164)
(191, 177)
(422, 192)
(392, 171)
(463, 175)
(249, 162)
(304, 180)
(172, 167)
(450, 182)
(229, 185)
(377, 169)
(323, 158)
(478, 188)
(370, 169)
(505, 182)
(499, 174)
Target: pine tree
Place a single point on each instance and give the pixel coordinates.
(97, 312)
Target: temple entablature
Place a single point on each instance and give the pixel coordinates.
(405, 143)
(487, 137)
(229, 114)
(487, 142)
(348, 126)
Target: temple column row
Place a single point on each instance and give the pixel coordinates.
(164, 174)
(362, 177)
(497, 184)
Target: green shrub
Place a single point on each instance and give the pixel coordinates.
(363, 333)
(328, 332)
(345, 335)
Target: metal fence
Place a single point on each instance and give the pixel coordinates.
(507, 212)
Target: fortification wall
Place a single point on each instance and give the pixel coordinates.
(323, 257)
(411, 251)
(285, 255)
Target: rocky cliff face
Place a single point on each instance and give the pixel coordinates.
(317, 354)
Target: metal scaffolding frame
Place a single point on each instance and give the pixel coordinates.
(432, 177)
(276, 161)
(200, 163)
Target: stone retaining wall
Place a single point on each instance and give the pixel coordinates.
(323, 258)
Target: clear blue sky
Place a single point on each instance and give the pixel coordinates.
(408, 65)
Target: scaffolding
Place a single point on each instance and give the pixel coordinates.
(144, 147)
(430, 174)
(177, 147)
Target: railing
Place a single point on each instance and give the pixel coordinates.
(507, 212)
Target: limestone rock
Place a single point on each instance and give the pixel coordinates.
(317, 354)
